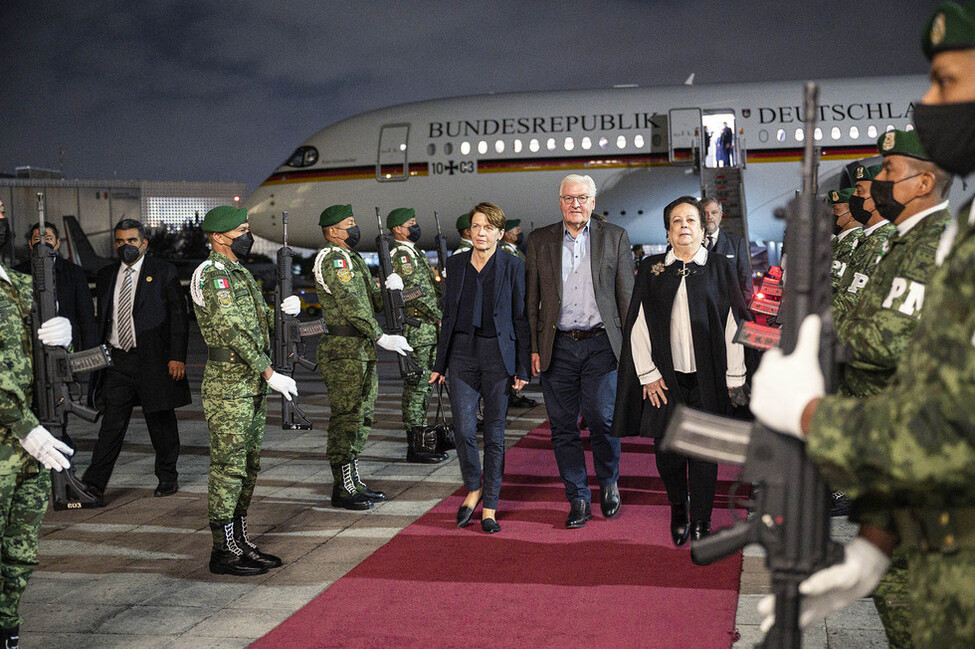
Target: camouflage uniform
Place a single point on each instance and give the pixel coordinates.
(512, 249)
(24, 484)
(908, 453)
(860, 267)
(412, 265)
(464, 245)
(842, 252)
(347, 353)
(234, 318)
(880, 327)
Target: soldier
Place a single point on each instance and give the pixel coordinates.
(513, 236)
(848, 233)
(236, 325)
(908, 450)
(411, 264)
(347, 353)
(464, 230)
(25, 445)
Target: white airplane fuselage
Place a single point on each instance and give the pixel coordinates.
(513, 149)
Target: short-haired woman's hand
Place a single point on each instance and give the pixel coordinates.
(436, 377)
(519, 383)
(655, 392)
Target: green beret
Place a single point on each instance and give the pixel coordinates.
(839, 196)
(463, 222)
(901, 143)
(951, 27)
(512, 223)
(863, 172)
(399, 216)
(224, 218)
(334, 214)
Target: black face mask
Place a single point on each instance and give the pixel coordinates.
(353, 236)
(947, 132)
(4, 232)
(128, 253)
(836, 226)
(519, 239)
(241, 246)
(882, 192)
(857, 210)
(414, 234)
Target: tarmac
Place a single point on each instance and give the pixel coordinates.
(134, 573)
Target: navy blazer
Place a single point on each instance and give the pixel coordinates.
(514, 338)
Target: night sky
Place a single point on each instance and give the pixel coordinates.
(194, 90)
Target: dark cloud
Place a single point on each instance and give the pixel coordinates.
(207, 90)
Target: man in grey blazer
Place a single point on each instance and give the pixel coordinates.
(579, 283)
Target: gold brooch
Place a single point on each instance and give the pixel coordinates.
(149, 279)
(657, 268)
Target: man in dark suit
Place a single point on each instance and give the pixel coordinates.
(576, 333)
(142, 316)
(728, 244)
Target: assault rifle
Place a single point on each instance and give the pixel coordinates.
(440, 241)
(54, 372)
(394, 304)
(288, 336)
(790, 514)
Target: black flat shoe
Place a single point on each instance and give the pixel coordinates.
(464, 516)
(699, 530)
(490, 525)
(679, 528)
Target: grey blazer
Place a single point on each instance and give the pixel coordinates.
(612, 276)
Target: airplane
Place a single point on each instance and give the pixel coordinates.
(643, 147)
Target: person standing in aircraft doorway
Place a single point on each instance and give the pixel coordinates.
(726, 146)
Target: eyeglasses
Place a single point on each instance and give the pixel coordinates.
(570, 200)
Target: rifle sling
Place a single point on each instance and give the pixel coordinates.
(343, 330)
(225, 355)
(936, 530)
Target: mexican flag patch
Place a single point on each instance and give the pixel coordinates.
(221, 283)
(340, 263)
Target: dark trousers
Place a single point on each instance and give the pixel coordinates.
(582, 378)
(680, 473)
(476, 370)
(121, 392)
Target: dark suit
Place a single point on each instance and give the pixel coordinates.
(735, 249)
(141, 375)
(74, 301)
(580, 374)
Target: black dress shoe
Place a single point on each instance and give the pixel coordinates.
(166, 489)
(700, 529)
(490, 525)
(609, 500)
(679, 528)
(579, 513)
(96, 493)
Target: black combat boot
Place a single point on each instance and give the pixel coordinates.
(421, 446)
(345, 494)
(11, 638)
(373, 496)
(227, 558)
(250, 550)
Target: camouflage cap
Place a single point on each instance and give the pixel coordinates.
(906, 143)
(334, 214)
(512, 223)
(839, 196)
(224, 218)
(951, 27)
(463, 222)
(399, 216)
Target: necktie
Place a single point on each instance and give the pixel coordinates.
(710, 242)
(126, 334)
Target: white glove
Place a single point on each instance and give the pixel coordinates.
(784, 385)
(394, 282)
(56, 332)
(47, 449)
(396, 344)
(833, 588)
(283, 384)
(291, 305)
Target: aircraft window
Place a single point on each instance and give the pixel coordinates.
(780, 135)
(603, 143)
(835, 133)
(533, 145)
(448, 148)
(499, 146)
(871, 131)
(800, 135)
(304, 156)
(431, 149)
(465, 148)
(890, 127)
(909, 127)
(482, 147)
(586, 143)
(569, 144)
(638, 141)
(621, 142)
(402, 147)
(550, 144)
(818, 134)
(655, 140)
(517, 146)
(763, 135)
(854, 132)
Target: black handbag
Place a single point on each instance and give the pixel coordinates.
(443, 430)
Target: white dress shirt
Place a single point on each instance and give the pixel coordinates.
(119, 280)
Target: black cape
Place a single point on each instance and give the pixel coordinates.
(712, 289)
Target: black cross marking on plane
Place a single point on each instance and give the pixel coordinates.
(451, 167)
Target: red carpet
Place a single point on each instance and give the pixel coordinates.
(618, 583)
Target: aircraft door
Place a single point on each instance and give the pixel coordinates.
(685, 135)
(391, 161)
